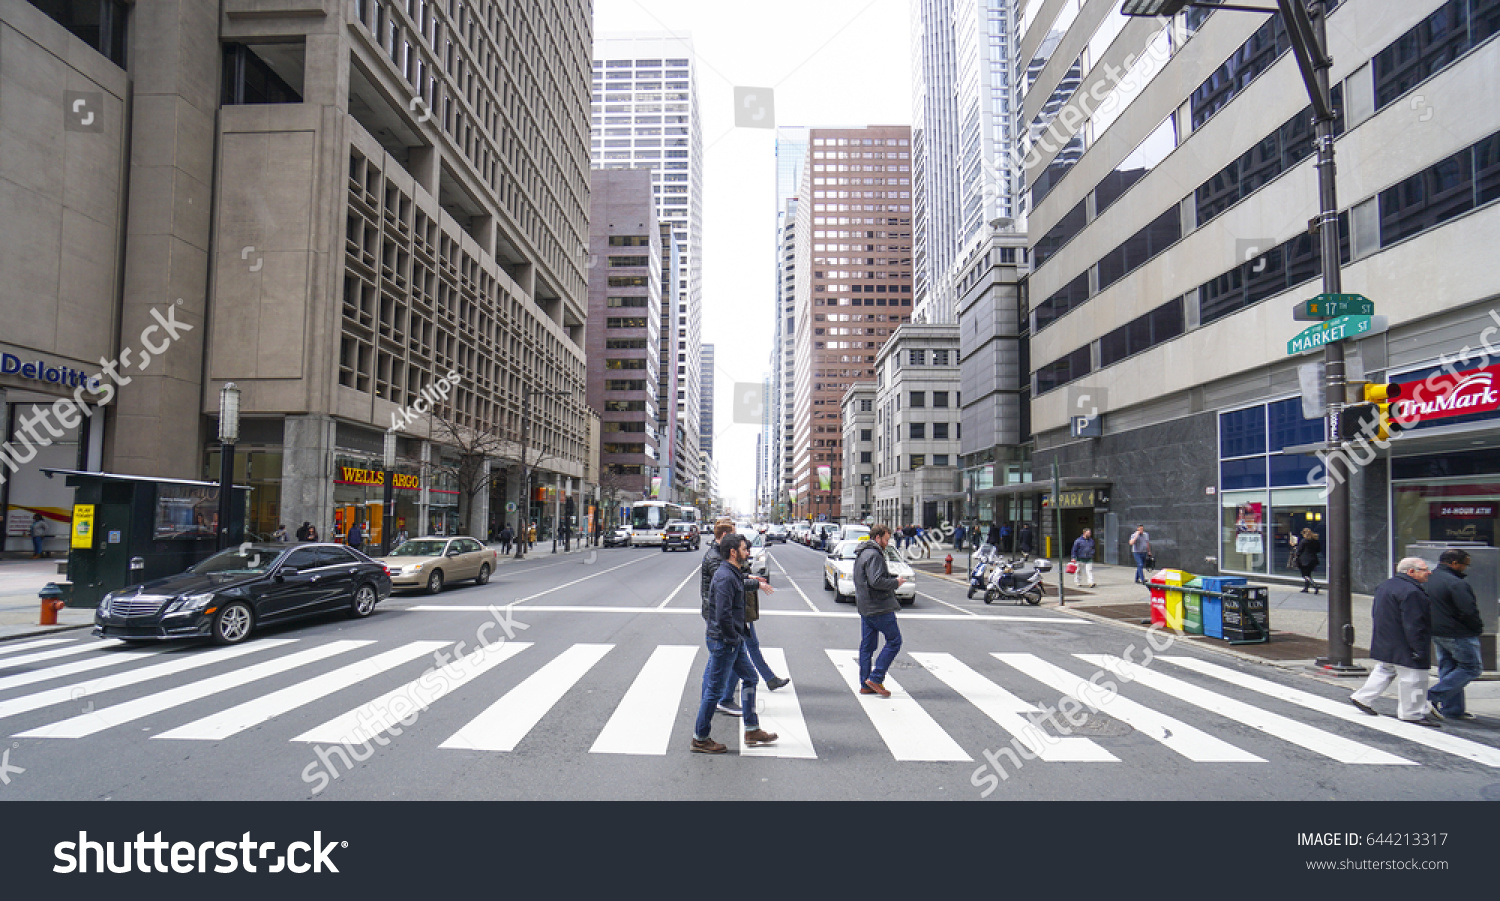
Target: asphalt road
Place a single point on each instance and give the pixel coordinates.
(594, 694)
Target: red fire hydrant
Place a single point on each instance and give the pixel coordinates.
(52, 601)
(948, 565)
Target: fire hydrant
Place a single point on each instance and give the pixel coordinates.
(52, 601)
(948, 565)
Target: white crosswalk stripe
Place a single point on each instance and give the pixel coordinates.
(504, 723)
(9, 647)
(1194, 744)
(1008, 712)
(1439, 741)
(908, 730)
(130, 711)
(363, 723)
(646, 717)
(63, 670)
(254, 712)
(78, 691)
(40, 656)
(1316, 740)
(779, 712)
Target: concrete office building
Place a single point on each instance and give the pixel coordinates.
(791, 157)
(344, 204)
(963, 148)
(625, 301)
(646, 115)
(853, 257)
(1170, 251)
(706, 402)
(917, 426)
(669, 424)
(859, 452)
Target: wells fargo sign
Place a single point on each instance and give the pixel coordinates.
(349, 475)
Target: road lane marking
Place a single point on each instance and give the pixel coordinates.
(1008, 712)
(39, 656)
(1192, 743)
(1316, 740)
(80, 690)
(1438, 741)
(72, 669)
(793, 582)
(256, 711)
(576, 581)
(779, 712)
(826, 614)
(504, 723)
(86, 724)
(946, 604)
(366, 721)
(679, 588)
(907, 729)
(8, 648)
(645, 718)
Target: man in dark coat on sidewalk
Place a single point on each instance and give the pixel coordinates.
(1456, 628)
(1402, 643)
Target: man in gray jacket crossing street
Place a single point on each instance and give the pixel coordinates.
(875, 596)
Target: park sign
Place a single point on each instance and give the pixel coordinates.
(1332, 306)
(1328, 332)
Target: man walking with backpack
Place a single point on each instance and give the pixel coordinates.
(875, 597)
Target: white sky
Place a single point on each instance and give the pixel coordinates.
(830, 63)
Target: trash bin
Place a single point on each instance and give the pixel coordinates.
(1247, 614)
(1192, 607)
(1158, 599)
(1172, 605)
(1213, 607)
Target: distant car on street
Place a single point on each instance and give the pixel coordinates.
(777, 533)
(617, 537)
(236, 591)
(838, 572)
(681, 536)
(434, 561)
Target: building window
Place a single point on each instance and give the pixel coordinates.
(940, 431)
(940, 398)
(918, 461)
(919, 399)
(249, 79)
(916, 358)
(98, 23)
(1267, 495)
(864, 434)
(940, 460)
(940, 358)
(917, 430)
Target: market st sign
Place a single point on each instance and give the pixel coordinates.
(1439, 397)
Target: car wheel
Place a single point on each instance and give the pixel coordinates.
(484, 574)
(1034, 596)
(435, 582)
(233, 623)
(364, 602)
(827, 585)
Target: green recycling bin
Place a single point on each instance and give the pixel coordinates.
(1192, 607)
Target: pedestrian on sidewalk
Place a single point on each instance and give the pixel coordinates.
(356, 536)
(1140, 547)
(303, 530)
(993, 538)
(1401, 644)
(39, 534)
(1083, 557)
(1025, 541)
(1456, 628)
(1005, 537)
(280, 534)
(1305, 558)
(875, 598)
(506, 537)
(727, 654)
(958, 537)
(565, 532)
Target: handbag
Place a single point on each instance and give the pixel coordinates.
(1071, 567)
(1151, 561)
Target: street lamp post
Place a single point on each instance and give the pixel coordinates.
(388, 501)
(1306, 22)
(229, 436)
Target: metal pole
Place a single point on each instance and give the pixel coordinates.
(226, 493)
(523, 531)
(1309, 33)
(1057, 520)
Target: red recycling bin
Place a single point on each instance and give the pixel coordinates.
(1159, 598)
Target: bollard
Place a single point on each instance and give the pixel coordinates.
(948, 566)
(52, 601)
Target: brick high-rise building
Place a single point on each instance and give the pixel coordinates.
(854, 241)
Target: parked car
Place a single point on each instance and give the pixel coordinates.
(619, 537)
(777, 533)
(234, 592)
(854, 532)
(760, 560)
(838, 572)
(681, 536)
(433, 561)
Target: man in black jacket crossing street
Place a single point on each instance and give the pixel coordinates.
(727, 655)
(1401, 643)
(1456, 628)
(875, 596)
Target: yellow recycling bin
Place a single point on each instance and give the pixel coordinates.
(1174, 605)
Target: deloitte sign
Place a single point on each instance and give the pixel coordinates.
(38, 370)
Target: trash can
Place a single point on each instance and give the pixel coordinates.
(1158, 599)
(1172, 605)
(1213, 607)
(1247, 614)
(1192, 607)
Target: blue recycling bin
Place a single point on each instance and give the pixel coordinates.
(1213, 607)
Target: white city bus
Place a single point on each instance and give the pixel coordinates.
(648, 522)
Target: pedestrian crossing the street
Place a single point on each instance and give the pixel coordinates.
(940, 710)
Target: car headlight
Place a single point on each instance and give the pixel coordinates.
(410, 568)
(191, 603)
(104, 604)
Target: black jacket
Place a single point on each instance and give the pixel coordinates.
(874, 586)
(727, 591)
(1308, 550)
(710, 568)
(1403, 623)
(1455, 611)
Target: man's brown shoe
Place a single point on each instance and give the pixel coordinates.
(708, 746)
(877, 688)
(866, 691)
(759, 737)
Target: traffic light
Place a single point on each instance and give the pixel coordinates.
(1373, 417)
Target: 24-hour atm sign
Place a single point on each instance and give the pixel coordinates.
(1442, 396)
(352, 476)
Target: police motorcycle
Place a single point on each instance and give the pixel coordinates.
(985, 560)
(1006, 582)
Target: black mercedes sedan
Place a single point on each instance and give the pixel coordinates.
(227, 596)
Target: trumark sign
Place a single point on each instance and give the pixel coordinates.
(1323, 333)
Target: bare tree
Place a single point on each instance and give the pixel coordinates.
(474, 448)
(616, 486)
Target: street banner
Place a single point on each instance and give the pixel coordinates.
(825, 478)
(656, 486)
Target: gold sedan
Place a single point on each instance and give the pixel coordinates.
(434, 561)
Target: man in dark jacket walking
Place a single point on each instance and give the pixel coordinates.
(1401, 644)
(1456, 627)
(727, 655)
(875, 596)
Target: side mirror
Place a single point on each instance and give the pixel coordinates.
(285, 571)
(454, 553)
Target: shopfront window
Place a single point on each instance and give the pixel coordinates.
(1449, 510)
(1266, 498)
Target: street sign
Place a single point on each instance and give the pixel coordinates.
(1337, 329)
(1331, 306)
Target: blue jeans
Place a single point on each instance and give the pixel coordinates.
(752, 648)
(36, 544)
(1140, 566)
(725, 661)
(1458, 664)
(872, 627)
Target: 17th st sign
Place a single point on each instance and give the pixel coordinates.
(1336, 329)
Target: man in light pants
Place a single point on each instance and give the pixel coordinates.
(1401, 644)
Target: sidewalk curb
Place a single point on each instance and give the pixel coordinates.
(41, 630)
